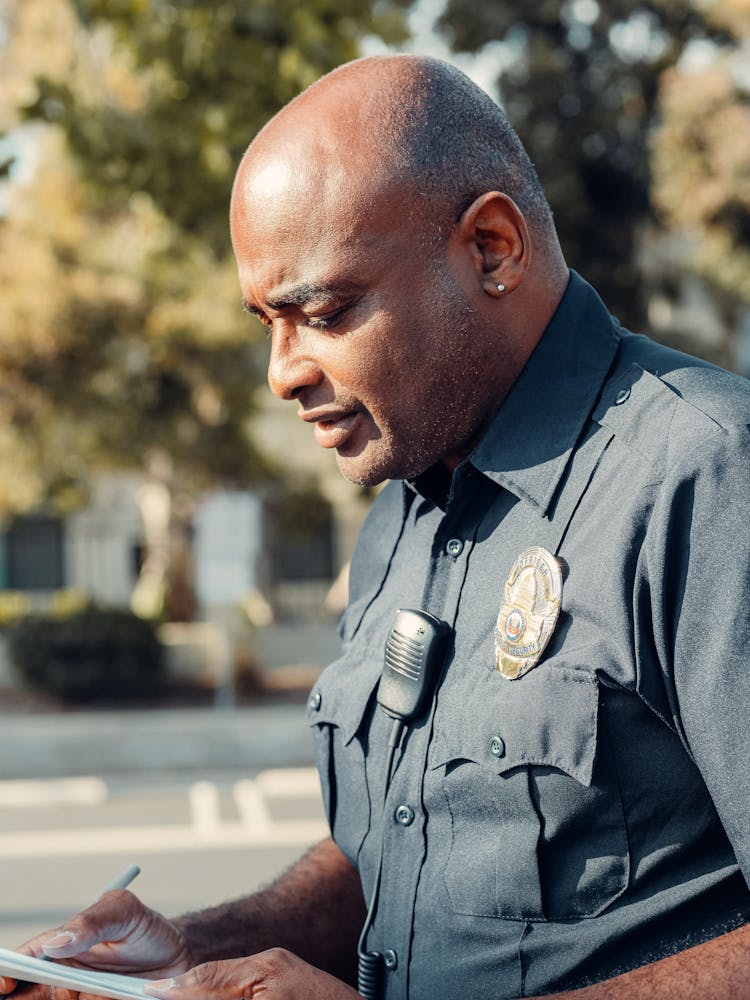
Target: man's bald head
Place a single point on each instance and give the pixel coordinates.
(404, 123)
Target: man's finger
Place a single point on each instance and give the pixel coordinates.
(227, 980)
(59, 944)
(164, 987)
(215, 978)
(38, 991)
(109, 919)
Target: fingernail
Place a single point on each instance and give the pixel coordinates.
(160, 985)
(4, 985)
(60, 939)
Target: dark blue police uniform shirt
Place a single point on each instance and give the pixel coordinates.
(592, 815)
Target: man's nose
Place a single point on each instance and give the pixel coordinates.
(290, 368)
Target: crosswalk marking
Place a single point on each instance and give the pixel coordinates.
(289, 781)
(252, 807)
(155, 839)
(205, 812)
(76, 791)
(205, 829)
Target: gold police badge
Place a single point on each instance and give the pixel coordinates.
(529, 613)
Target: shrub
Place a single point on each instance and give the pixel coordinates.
(14, 605)
(95, 655)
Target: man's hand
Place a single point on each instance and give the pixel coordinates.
(275, 974)
(314, 910)
(116, 934)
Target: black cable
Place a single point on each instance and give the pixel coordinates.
(370, 963)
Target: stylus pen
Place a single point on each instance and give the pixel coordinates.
(121, 881)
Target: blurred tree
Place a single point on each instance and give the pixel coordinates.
(701, 163)
(581, 84)
(120, 347)
(122, 342)
(186, 83)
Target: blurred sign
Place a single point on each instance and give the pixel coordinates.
(226, 546)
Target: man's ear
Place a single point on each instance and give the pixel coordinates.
(494, 232)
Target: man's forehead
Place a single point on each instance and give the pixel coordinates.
(273, 177)
(281, 209)
(302, 176)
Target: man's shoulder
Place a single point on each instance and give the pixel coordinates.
(678, 405)
(703, 394)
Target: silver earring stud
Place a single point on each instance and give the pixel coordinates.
(501, 288)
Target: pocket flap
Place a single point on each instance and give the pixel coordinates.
(548, 717)
(342, 693)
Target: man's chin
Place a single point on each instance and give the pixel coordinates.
(361, 473)
(371, 467)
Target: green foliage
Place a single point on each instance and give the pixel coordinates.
(581, 86)
(123, 342)
(14, 605)
(121, 339)
(93, 656)
(207, 76)
(701, 159)
(17, 604)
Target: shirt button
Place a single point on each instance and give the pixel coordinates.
(404, 815)
(314, 700)
(454, 547)
(621, 396)
(497, 747)
(390, 959)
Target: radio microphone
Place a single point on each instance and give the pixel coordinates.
(414, 656)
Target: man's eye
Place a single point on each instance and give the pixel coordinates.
(327, 321)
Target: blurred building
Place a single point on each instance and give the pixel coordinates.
(282, 546)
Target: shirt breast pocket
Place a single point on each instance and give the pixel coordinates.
(530, 811)
(338, 710)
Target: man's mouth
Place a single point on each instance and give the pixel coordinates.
(332, 428)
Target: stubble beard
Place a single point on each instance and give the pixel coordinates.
(451, 418)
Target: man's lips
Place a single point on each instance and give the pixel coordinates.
(332, 427)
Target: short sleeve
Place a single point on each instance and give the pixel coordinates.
(698, 554)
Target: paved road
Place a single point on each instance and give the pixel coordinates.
(198, 842)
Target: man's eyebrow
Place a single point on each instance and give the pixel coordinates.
(253, 310)
(300, 295)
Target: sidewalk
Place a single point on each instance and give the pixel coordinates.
(53, 745)
(272, 733)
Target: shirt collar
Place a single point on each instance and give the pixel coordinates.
(527, 446)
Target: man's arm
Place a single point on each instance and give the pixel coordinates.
(697, 552)
(716, 970)
(316, 910)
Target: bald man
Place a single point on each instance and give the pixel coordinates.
(564, 806)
